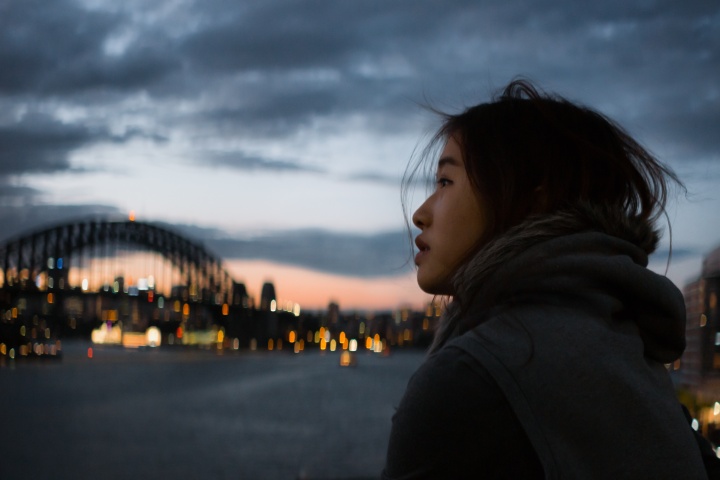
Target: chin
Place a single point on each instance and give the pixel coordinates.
(434, 286)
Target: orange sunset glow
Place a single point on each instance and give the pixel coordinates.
(314, 290)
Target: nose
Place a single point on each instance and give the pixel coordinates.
(421, 217)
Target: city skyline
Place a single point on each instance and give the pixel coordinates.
(276, 133)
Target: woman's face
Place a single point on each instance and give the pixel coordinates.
(452, 221)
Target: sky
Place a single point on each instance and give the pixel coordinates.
(276, 132)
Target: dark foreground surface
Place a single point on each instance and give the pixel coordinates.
(195, 414)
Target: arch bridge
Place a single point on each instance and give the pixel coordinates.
(77, 276)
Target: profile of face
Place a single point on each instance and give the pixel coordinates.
(451, 221)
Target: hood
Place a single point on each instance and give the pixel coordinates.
(585, 257)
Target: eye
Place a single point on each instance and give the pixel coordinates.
(442, 182)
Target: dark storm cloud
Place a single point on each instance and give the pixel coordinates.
(39, 143)
(332, 59)
(55, 48)
(384, 254)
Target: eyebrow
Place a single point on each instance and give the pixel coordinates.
(447, 161)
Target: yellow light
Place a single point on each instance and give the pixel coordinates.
(153, 337)
(345, 344)
(225, 309)
(426, 323)
(317, 337)
(273, 305)
(131, 216)
(368, 343)
(323, 344)
(176, 306)
(186, 309)
(291, 336)
(353, 345)
(22, 331)
(296, 348)
(220, 336)
(341, 339)
(271, 344)
(333, 345)
(12, 353)
(3, 349)
(376, 339)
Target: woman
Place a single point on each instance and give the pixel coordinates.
(549, 360)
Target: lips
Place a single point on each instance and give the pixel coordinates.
(423, 249)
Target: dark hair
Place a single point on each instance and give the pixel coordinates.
(531, 153)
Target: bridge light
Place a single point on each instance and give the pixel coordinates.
(131, 216)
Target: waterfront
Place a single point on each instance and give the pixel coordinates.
(189, 413)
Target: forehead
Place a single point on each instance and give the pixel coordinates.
(451, 155)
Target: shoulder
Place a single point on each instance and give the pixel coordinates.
(455, 422)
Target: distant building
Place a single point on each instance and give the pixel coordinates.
(240, 296)
(699, 368)
(697, 373)
(268, 299)
(333, 313)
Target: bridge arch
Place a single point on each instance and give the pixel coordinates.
(50, 251)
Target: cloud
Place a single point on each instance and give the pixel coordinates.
(60, 48)
(242, 161)
(39, 143)
(24, 219)
(384, 254)
(374, 177)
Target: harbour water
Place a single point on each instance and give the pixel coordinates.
(189, 413)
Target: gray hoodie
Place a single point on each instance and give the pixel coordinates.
(561, 317)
